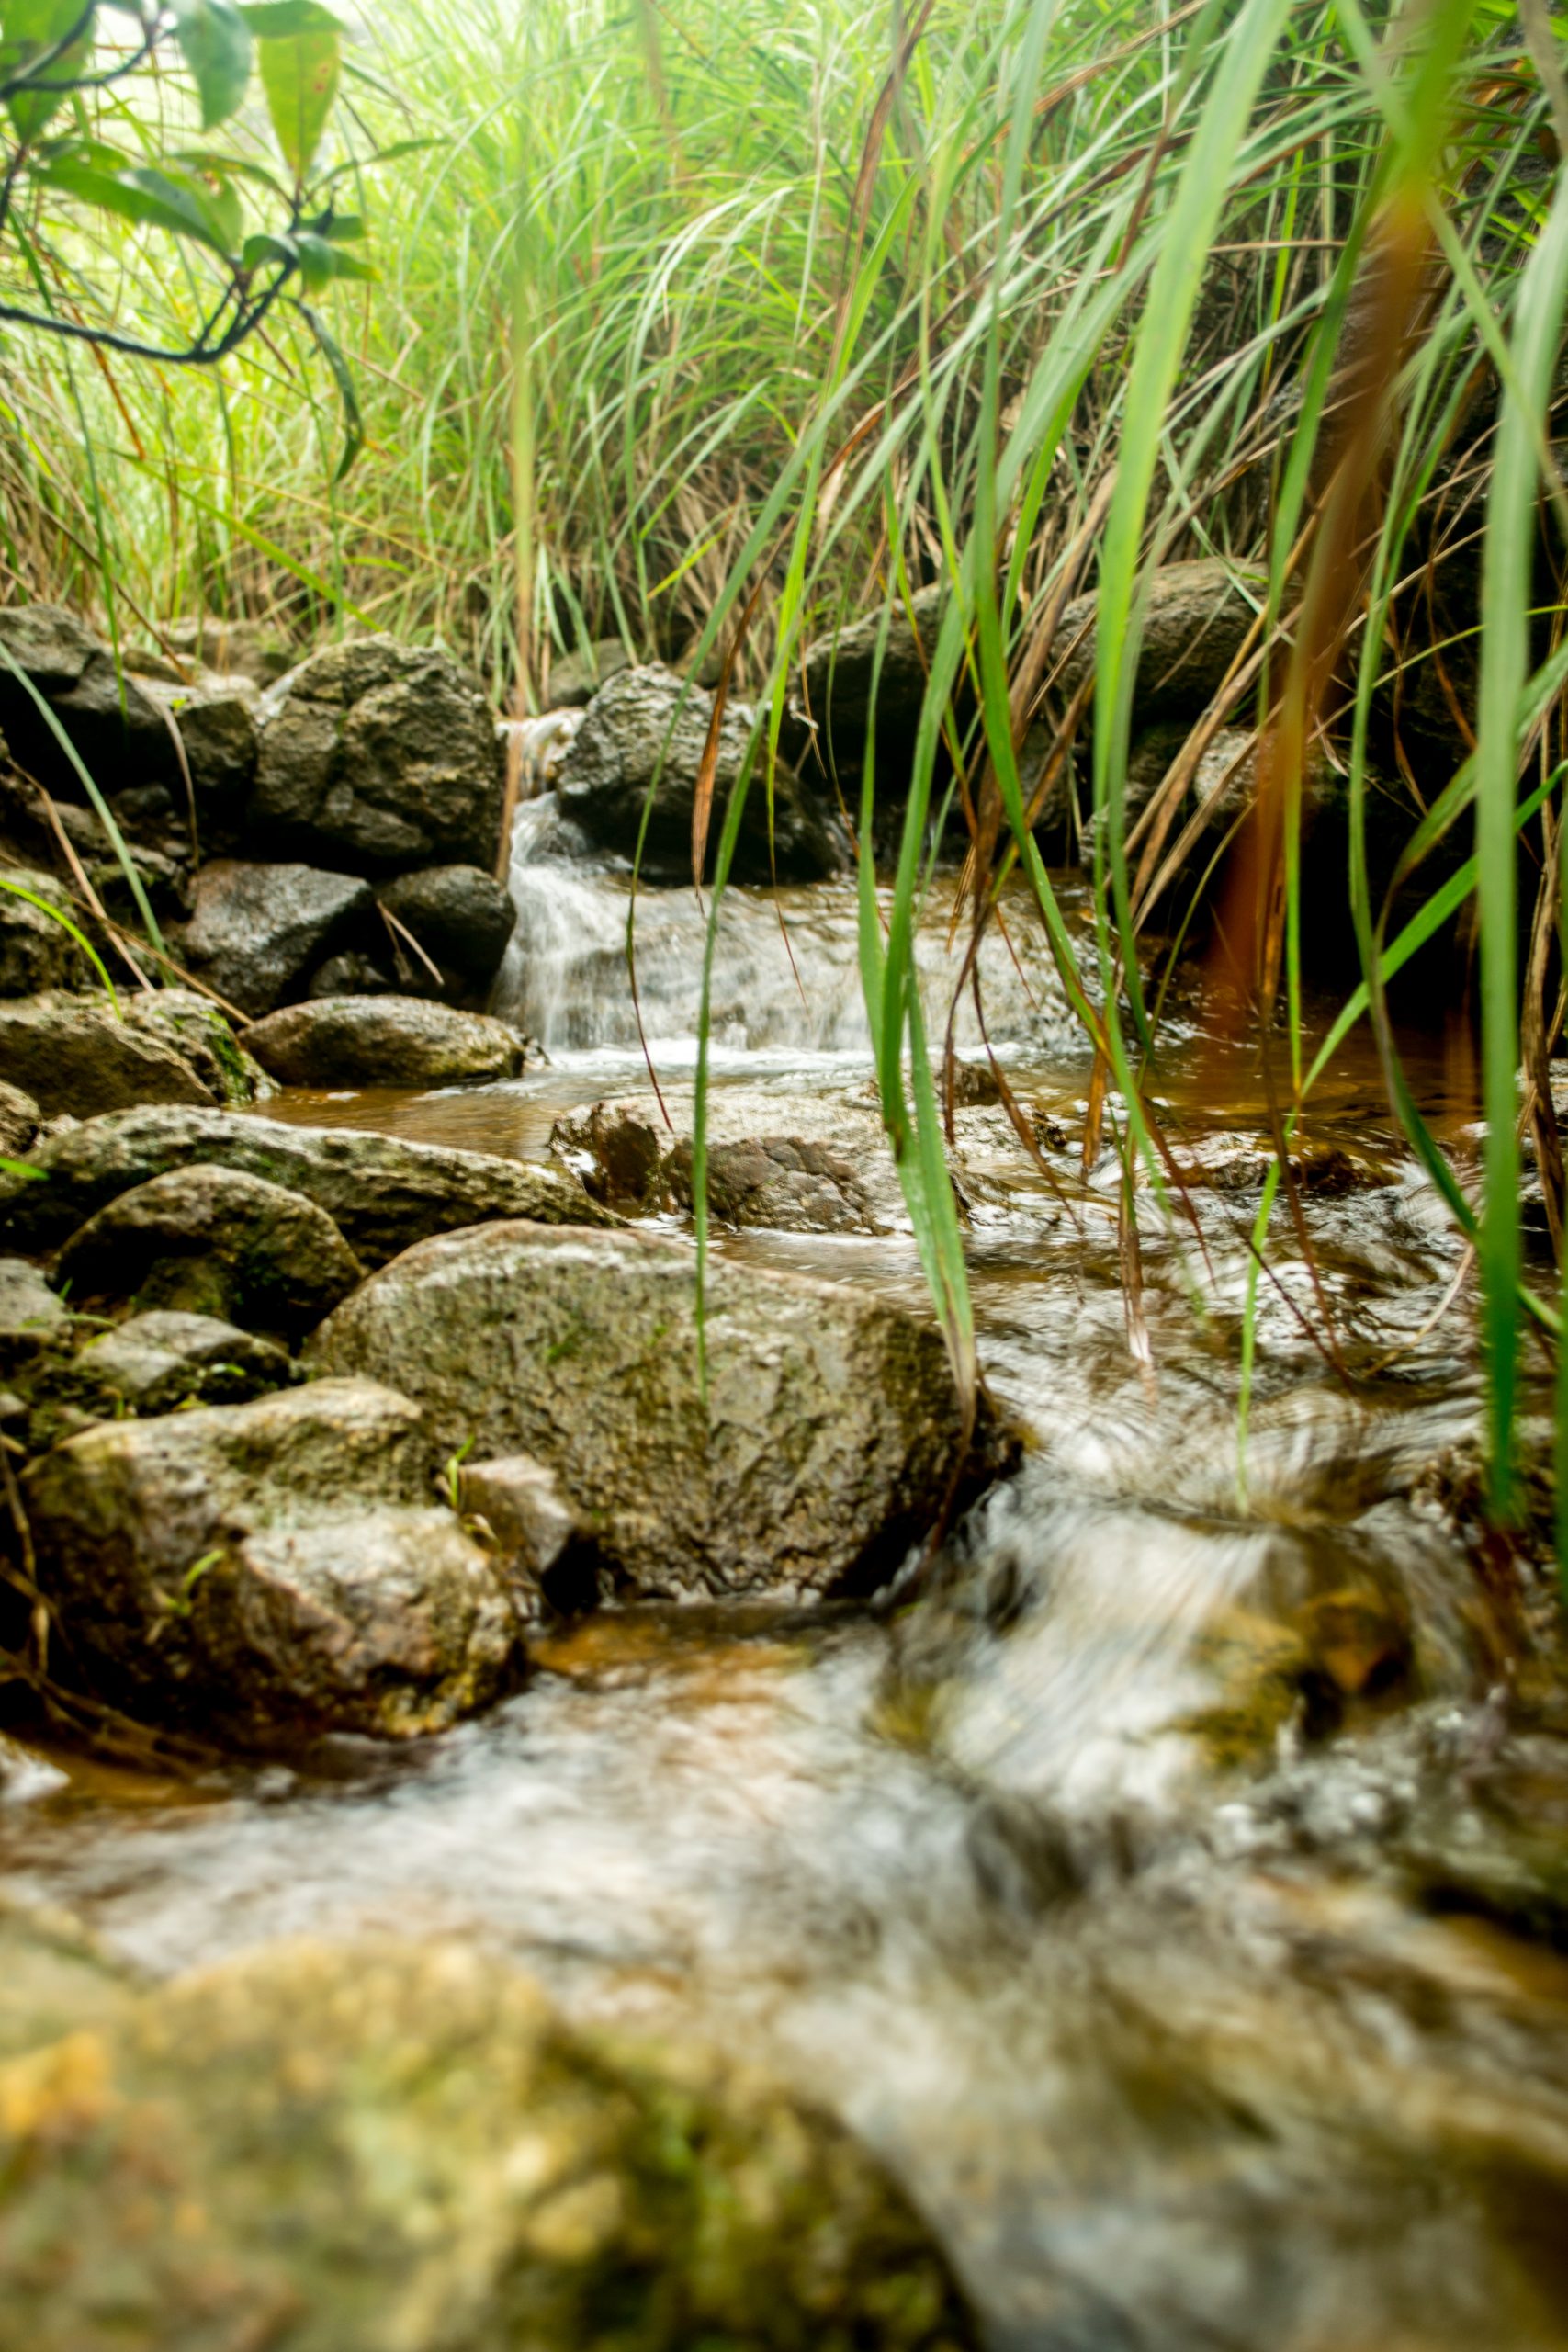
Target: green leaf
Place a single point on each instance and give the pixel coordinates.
(321, 261)
(29, 32)
(354, 424)
(175, 201)
(300, 75)
(287, 20)
(215, 42)
(264, 248)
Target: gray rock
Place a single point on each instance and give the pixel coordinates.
(617, 1153)
(258, 931)
(461, 917)
(37, 952)
(787, 1182)
(214, 1241)
(20, 1120)
(625, 740)
(33, 1320)
(201, 1036)
(547, 1550)
(75, 1053)
(255, 649)
(576, 678)
(120, 735)
(837, 671)
(386, 2144)
(157, 1361)
(354, 974)
(378, 756)
(382, 1041)
(1196, 620)
(217, 724)
(381, 1192)
(272, 1567)
(827, 1445)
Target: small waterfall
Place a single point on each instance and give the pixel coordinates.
(537, 746)
(565, 979)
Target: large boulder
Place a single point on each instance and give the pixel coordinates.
(73, 1054)
(828, 1440)
(383, 1041)
(377, 756)
(648, 723)
(121, 736)
(462, 917)
(381, 1192)
(1194, 622)
(280, 1566)
(258, 651)
(577, 677)
(837, 671)
(213, 1241)
(258, 931)
(37, 952)
(390, 2144)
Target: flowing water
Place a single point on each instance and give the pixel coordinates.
(1178, 1899)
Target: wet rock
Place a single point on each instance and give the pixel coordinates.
(547, 1551)
(215, 718)
(271, 1568)
(397, 2143)
(33, 1319)
(353, 975)
(787, 1182)
(253, 650)
(827, 1444)
(830, 1172)
(74, 1054)
(377, 756)
(257, 931)
(639, 727)
(202, 1037)
(36, 952)
(837, 671)
(576, 678)
(382, 1193)
(461, 917)
(215, 1241)
(383, 1041)
(153, 1362)
(58, 1980)
(20, 1119)
(118, 732)
(1195, 620)
(616, 1154)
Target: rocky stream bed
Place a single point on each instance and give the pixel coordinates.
(569, 1890)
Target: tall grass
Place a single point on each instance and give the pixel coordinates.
(818, 306)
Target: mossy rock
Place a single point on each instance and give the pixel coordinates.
(352, 2148)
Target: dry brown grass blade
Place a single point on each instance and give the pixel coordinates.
(707, 767)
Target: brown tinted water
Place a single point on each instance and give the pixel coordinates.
(1202, 2001)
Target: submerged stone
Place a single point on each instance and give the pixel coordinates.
(828, 1443)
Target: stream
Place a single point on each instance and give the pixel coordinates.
(1203, 1999)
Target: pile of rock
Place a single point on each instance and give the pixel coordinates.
(504, 1411)
(336, 833)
